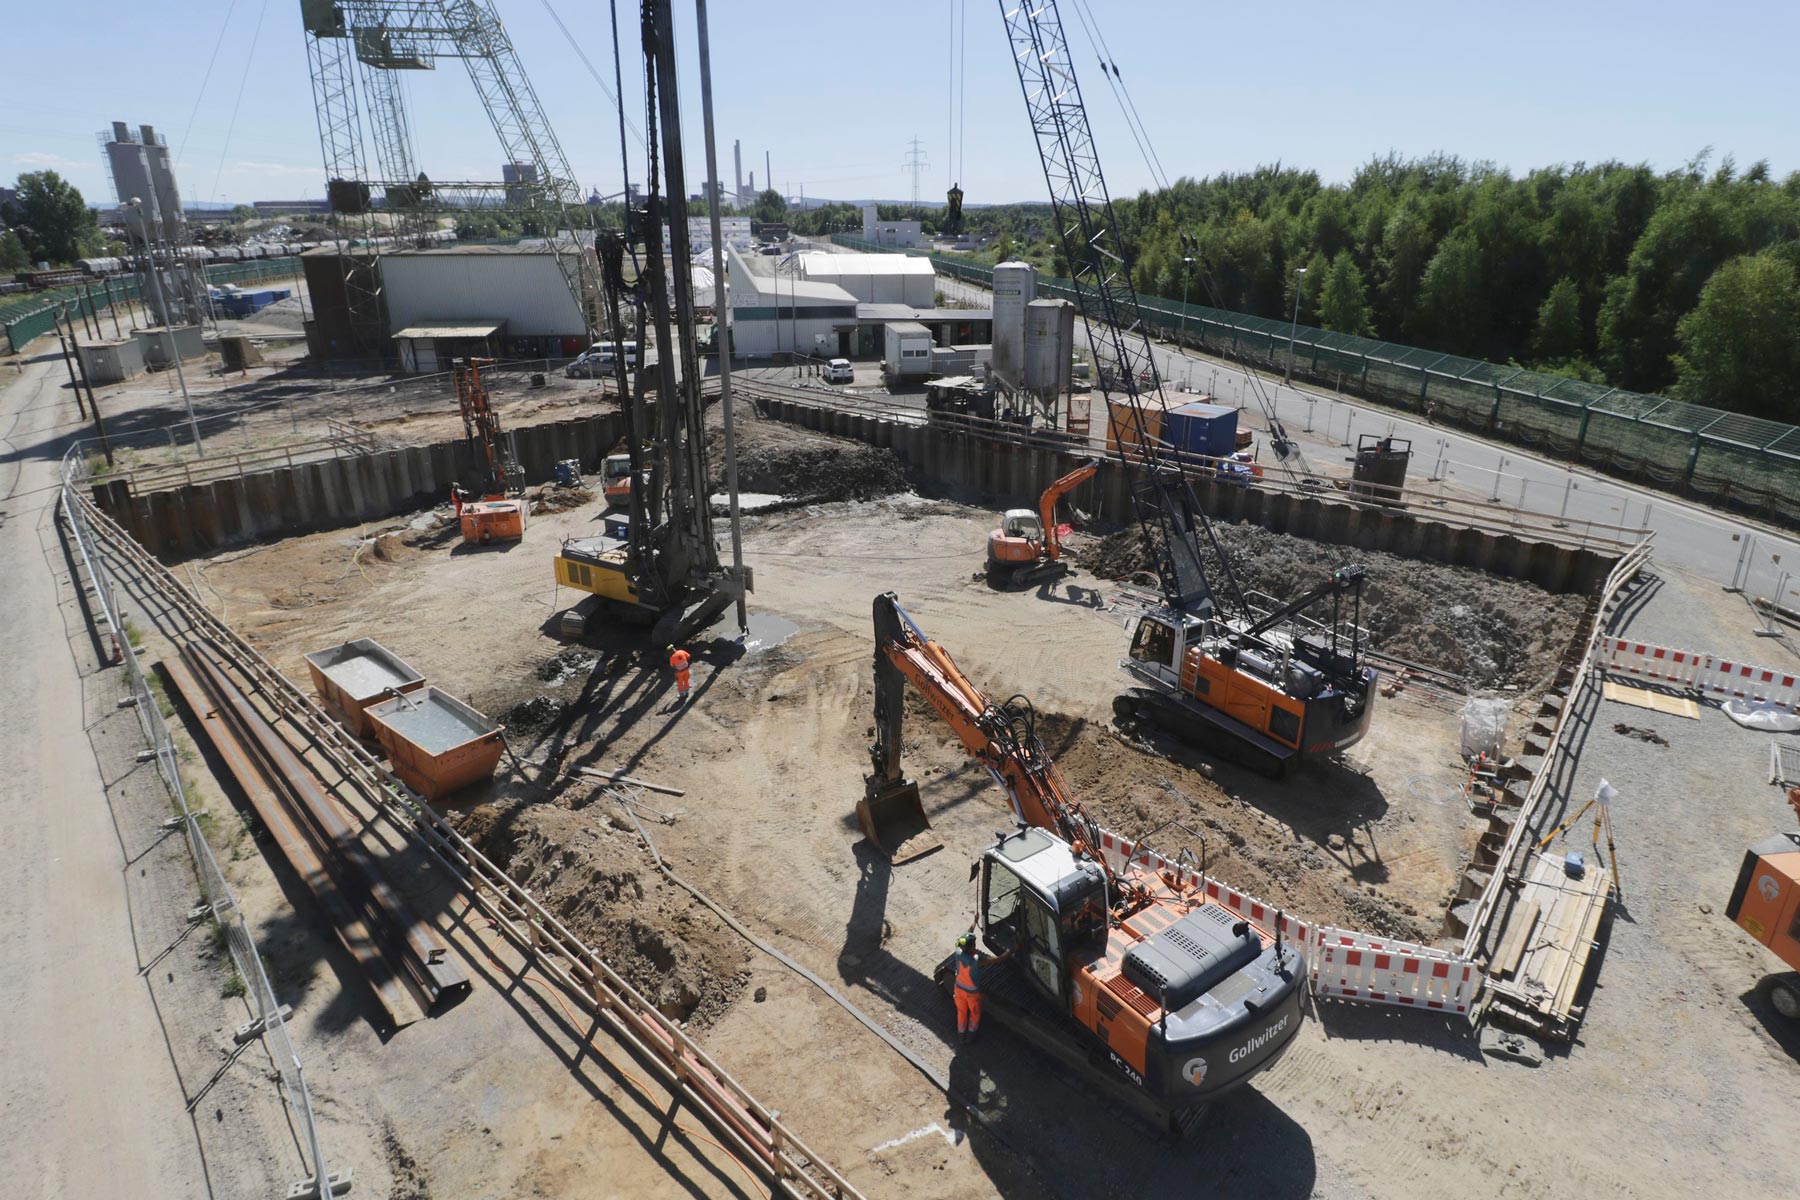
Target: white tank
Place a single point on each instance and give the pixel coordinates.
(1049, 341)
(1015, 286)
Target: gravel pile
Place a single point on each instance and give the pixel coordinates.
(1494, 632)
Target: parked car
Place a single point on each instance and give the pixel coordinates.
(839, 370)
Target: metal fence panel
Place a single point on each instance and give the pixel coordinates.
(1688, 448)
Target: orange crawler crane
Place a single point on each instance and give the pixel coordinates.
(1027, 548)
(499, 516)
(1766, 905)
(1128, 975)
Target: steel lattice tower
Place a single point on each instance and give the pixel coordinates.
(355, 50)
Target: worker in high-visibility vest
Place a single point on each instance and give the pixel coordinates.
(969, 966)
(678, 662)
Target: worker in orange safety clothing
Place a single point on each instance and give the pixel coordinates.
(678, 662)
(969, 965)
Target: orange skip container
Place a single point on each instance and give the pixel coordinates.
(435, 743)
(351, 677)
(487, 521)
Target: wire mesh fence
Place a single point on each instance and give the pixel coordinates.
(1731, 460)
(221, 903)
(23, 318)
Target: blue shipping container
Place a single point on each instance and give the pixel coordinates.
(1209, 429)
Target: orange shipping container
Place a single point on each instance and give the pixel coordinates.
(1121, 426)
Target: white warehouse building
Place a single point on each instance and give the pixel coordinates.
(437, 299)
(875, 278)
(774, 312)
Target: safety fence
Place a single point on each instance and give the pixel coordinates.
(1545, 526)
(754, 1133)
(26, 317)
(1731, 460)
(1342, 964)
(1690, 670)
(221, 905)
(1555, 754)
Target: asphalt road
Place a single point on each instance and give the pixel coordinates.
(1688, 536)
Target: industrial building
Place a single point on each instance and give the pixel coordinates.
(801, 304)
(875, 278)
(904, 234)
(510, 301)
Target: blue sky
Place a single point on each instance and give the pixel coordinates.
(835, 91)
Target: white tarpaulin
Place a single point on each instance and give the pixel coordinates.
(1762, 714)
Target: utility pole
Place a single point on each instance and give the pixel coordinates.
(68, 357)
(916, 163)
(162, 304)
(1294, 325)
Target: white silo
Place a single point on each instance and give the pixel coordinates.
(1049, 341)
(1015, 286)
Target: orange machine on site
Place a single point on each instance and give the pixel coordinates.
(1177, 998)
(1027, 548)
(499, 514)
(1765, 903)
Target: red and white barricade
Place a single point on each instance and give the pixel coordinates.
(1357, 966)
(1705, 673)
(1343, 964)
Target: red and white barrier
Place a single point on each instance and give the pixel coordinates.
(1343, 964)
(1704, 673)
(1357, 966)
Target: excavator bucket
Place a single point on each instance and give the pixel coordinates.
(893, 819)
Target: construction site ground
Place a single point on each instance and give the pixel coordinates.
(1658, 1098)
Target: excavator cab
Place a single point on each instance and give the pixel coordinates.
(1041, 899)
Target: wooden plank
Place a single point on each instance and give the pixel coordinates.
(1662, 702)
(1524, 922)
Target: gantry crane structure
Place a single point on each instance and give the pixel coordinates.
(356, 51)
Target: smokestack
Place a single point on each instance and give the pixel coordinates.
(737, 162)
(768, 173)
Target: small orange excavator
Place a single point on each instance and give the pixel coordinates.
(1027, 548)
(1765, 903)
(499, 516)
(1126, 972)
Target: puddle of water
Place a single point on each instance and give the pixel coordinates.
(767, 631)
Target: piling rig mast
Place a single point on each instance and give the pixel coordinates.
(666, 572)
(376, 40)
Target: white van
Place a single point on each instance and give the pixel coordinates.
(600, 359)
(839, 370)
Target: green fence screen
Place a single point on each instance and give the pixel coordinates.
(30, 316)
(1731, 460)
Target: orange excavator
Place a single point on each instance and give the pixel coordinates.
(499, 514)
(1125, 972)
(1027, 548)
(1765, 903)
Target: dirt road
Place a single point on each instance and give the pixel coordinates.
(91, 1099)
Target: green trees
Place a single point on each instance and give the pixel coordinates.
(1557, 335)
(53, 222)
(12, 252)
(769, 206)
(1740, 345)
(1344, 300)
(1587, 270)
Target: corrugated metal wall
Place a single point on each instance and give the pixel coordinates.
(527, 291)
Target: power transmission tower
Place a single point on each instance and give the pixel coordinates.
(916, 163)
(378, 39)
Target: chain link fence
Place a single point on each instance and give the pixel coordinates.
(23, 318)
(1729, 460)
(221, 904)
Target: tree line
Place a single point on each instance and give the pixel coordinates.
(1683, 283)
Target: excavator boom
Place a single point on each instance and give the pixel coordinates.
(1002, 738)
